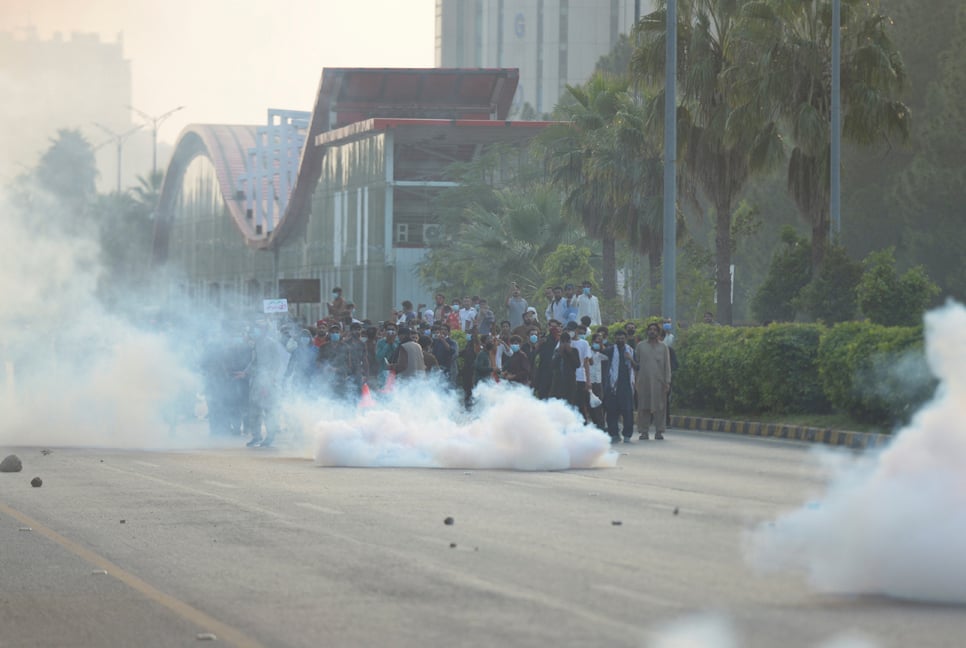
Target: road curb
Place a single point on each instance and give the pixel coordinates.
(827, 436)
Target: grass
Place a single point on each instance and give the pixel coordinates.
(832, 421)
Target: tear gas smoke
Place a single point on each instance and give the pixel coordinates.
(893, 523)
(420, 426)
(72, 372)
(715, 630)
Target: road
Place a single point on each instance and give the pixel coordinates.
(261, 549)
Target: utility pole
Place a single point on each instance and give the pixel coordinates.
(835, 162)
(155, 122)
(669, 305)
(119, 139)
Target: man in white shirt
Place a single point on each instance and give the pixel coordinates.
(557, 309)
(467, 315)
(579, 342)
(588, 305)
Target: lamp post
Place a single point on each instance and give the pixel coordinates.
(119, 139)
(156, 122)
(669, 305)
(835, 152)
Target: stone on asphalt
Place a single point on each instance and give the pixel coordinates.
(452, 545)
(11, 463)
(449, 521)
(36, 482)
(616, 522)
(675, 510)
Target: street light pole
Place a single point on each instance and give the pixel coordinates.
(119, 139)
(156, 122)
(835, 152)
(669, 305)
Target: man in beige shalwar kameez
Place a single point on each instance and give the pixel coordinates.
(653, 383)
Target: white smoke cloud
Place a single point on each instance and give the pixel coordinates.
(73, 373)
(892, 523)
(421, 426)
(716, 630)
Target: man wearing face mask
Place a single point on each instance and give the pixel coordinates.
(545, 359)
(386, 349)
(618, 384)
(333, 363)
(588, 305)
(357, 359)
(446, 351)
(409, 361)
(653, 383)
(517, 366)
(337, 305)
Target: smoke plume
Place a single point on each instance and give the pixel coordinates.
(892, 523)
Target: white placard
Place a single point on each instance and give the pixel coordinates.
(274, 305)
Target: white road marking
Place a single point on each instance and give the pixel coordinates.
(320, 509)
(146, 463)
(219, 484)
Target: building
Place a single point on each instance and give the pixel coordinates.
(552, 42)
(341, 195)
(67, 83)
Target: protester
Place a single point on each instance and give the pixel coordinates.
(653, 383)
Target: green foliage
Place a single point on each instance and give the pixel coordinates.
(875, 373)
(830, 296)
(126, 232)
(790, 271)
(888, 299)
(567, 264)
(786, 366)
(496, 233)
(717, 368)
(68, 169)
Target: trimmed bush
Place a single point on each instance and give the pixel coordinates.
(786, 367)
(876, 374)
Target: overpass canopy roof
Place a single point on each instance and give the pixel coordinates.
(349, 95)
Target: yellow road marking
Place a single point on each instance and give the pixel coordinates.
(224, 632)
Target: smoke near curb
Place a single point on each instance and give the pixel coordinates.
(420, 426)
(893, 523)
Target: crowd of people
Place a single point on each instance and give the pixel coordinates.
(612, 377)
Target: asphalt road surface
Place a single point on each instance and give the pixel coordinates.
(254, 548)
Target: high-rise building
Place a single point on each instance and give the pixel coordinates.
(552, 42)
(73, 83)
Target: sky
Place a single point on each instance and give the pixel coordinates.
(228, 61)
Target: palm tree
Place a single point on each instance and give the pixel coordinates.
(148, 191)
(785, 50)
(724, 136)
(626, 166)
(568, 151)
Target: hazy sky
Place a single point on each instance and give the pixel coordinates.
(228, 61)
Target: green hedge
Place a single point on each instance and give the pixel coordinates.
(875, 374)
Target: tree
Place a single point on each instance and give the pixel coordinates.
(785, 47)
(723, 135)
(68, 170)
(790, 271)
(931, 191)
(495, 234)
(568, 151)
(147, 192)
(830, 296)
(888, 299)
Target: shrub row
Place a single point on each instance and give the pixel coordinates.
(876, 374)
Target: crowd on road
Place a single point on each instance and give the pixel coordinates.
(611, 376)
